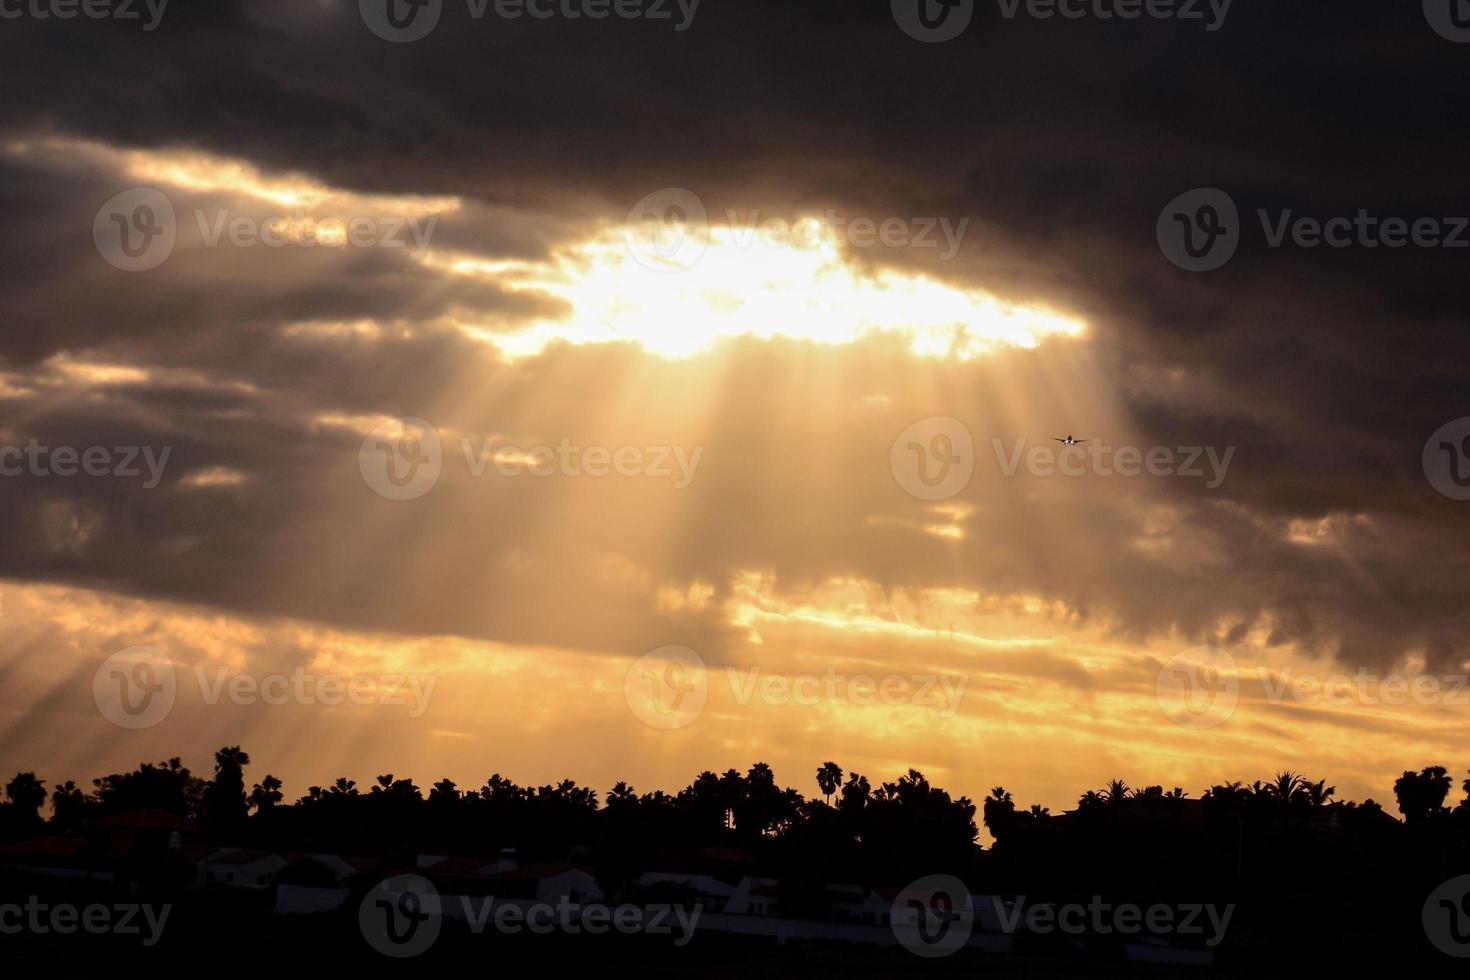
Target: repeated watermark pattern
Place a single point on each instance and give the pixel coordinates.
(934, 459)
(936, 21)
(403, 917)
(1446, 459)
(137, 230)
(403, 459)
(1101, 918)
(137, 688)
(1097, 458)
(121, 462)
(40, 918)
(1449, 18)
(670, 230)
(1201, 687)
(148, 14)
(406, 21)
(1446, 917)
(668, 688)
(1200, 230)
(934, 916)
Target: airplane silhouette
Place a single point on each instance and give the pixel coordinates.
(1070, 441)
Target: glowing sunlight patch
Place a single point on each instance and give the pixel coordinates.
(743, 286)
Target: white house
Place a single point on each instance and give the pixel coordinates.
(754, 896)
(236, 867)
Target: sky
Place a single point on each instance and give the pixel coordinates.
(618, 398)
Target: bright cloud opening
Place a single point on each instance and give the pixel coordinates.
(745, 286)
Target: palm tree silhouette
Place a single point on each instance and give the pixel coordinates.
(829, 778)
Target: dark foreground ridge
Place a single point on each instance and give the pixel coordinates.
(157, 867)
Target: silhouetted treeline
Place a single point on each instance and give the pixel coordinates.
(1282, 838)
(881, 833)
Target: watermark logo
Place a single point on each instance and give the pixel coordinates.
(1446, 459)
(138, 687)
(120, 10)
(135, 688)
(570, 918)
(1199, 687)
(933, 916)
(674, 463)
(41, 918)
(1446, 917)
(668, 230)
(1096, 458)
(1449, 18)
(1364, 687)
(401, 21)
(671, 229)
(667, 688)
(1211, 12)
(124, 462)
(1199, 230)
(933, 21)
(298, 230)
(136, 230)
(405, 21)
(401, 459)
(401, 917)
(1102, 918)
(934, 458)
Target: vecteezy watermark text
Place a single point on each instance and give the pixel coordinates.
(1200, 230)
(403, 916)
(1100, 918)
(936, 21)
(935, 916)
(670, 229)
(125, 462)
(669, 687)
(402, 459)
(1201, 687)
(934, 459)
(406, 21)
(1097, 458)
(39, 918)
(137, 688)
(121, 10)
(137, 230)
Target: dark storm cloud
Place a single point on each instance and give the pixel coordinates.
(1063, 140)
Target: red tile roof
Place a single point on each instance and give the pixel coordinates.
(48, 847)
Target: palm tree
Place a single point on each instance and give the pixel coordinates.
(1422, 794)
(224, 799)
(1319, 793)
(266, 794)
(855, 793)
(829, 778)
(1288, 787)
(67, 804)
(27, 794)
(998, 812)
(1115, 792)
(621, 797)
